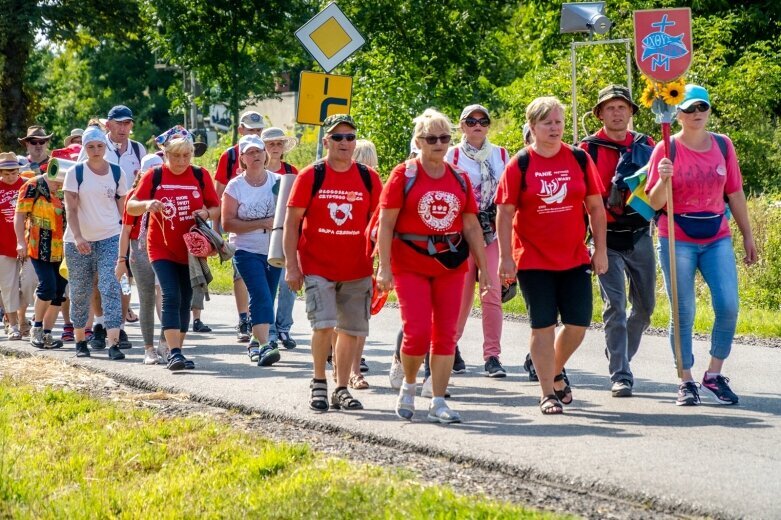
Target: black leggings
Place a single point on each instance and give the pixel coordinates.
(177, 292)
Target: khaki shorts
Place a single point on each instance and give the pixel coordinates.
(17, 286)
(344, 305)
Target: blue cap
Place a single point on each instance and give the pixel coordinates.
(694, 94)
(120, 113)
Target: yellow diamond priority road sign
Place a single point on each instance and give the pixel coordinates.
(330, 37)
(322, 95)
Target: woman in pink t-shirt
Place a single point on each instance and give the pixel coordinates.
(704, 171)
(427, 212)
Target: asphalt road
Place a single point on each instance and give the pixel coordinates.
(711, 459)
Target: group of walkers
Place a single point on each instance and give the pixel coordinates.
(450, 217)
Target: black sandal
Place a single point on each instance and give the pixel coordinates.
(318, 398)
(564, 395)
(550, 405)
(341, 398)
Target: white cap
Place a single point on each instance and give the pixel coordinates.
(252, 119)
(150, 160)
(251, 141)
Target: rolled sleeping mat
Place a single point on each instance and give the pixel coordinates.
(276, 254)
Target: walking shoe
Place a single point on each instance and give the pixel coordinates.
(243, 331)
(67, 332)
(151, 357)
(98, 341)
(50, 342)
(88, 334)
(253, 353)
(81, 349)
(688, 395)
(286, 340)
(396, 374)
(114, 353)
(162, 347)
(459, 367)
(14, 335)
(427, 389)
(268, 356)
(199, 326)
(443, 414)
(622, 388)
(25, 327)
(176, 362)
(36, 337)
(124, 341)
(719, 387)
(494, 368)
(405, 406)
(528, 365)
(364, 366)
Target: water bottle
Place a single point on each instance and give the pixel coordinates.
(125, 284)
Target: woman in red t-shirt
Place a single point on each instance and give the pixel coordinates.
(541, 231)
(428, 215)
(172, 206)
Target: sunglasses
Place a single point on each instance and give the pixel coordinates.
(37, 142)
(432, 139)
(471, 122)
(701, 107)
(338, 137)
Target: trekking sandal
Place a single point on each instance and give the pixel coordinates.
(318, 398)
(341, 398)
(550, 405)
(564, 395)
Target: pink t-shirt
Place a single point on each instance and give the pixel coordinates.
(700, 181)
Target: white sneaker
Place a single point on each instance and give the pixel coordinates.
(427, 390)
(151, 357)
(162, 348)
(396, 374)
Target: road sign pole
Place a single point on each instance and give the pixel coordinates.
(320, 136)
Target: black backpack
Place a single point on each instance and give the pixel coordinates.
(157, 178)
(320, 176)
(523, 163)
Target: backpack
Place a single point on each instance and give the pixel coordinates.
(231, 162)
(523, 163)
(136, 151)
(721, 141)
(116, 171)
(631, 159)
(320, 176)
(157, 178)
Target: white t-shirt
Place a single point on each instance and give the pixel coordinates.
(498, 160)
(98, 214)
(129, 163)
(254, 202)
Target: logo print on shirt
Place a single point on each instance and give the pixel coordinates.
(196, 194)
(553, 191)
(169, 210)
(340, 213)
(439, 209)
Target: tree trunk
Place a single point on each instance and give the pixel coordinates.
(15, 46)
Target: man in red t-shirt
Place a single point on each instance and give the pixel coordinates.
(630, 248)
(250, 123)
(331, 203)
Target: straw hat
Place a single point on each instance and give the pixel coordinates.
(277, 134)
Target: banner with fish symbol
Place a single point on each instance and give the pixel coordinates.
(663, 43)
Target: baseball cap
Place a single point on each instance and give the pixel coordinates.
(252, 119)
(694, 94)
(615, 92)
(474, 108)
(150, 160)
(120, 113)
(251, 141)
(335, 120)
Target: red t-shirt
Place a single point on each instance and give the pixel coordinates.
(130, 220)
(333, 239)
(282, 171)
(548, 227)
(221, 175)
(9, 193)
(432, 207)
(180, 195)
(607, 160)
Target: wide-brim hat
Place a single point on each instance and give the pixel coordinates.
(277, 134)
(35, 132)
(9, 161)
(614, 92)
(76, 132)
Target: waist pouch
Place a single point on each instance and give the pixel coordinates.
(456, 253)
(700, 224)
(624, 239)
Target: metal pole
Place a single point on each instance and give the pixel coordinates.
(320, 144)
(193, 108)
(573, 72)
(628, 67)
(184, 91)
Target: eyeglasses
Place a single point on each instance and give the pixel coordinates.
(432, 139)
(702, 107)
(37, 142)
(471, 121)
(338, 137)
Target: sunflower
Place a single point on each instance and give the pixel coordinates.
(647, 97)
(672, 93)
(648, 82)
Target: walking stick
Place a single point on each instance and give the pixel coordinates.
(673, 267)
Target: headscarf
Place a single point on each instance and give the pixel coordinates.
(488, 182)
(176, 132)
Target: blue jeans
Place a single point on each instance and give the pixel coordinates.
(261, 280)
(177, 292)
(716, 263)
(285, 300)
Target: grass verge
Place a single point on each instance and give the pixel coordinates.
(66, 455)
